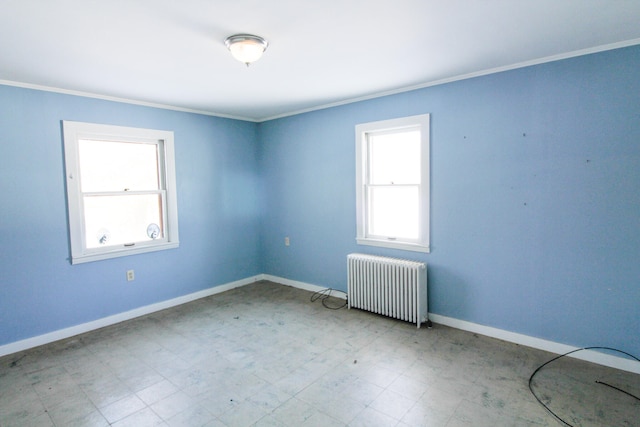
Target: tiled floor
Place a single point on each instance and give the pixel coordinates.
(265, 355)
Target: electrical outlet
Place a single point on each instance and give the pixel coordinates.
(286, 241)
(130, 276)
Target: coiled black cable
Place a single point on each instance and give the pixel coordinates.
(324, 295)
(599, 382)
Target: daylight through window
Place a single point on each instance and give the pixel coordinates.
(393, 183)
(120, 189)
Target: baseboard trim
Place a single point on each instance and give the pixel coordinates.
(593, 356)
(501, 334)
(61, 334)
(513, 337)
(302, 285)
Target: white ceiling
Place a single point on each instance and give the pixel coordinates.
(322, 52)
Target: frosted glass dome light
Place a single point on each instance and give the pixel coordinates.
(246, 48)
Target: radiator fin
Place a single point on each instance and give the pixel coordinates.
(388, 286)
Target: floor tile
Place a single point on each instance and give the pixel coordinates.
(393, 404)
(244, 415)
(143, 418)
(434, 408)
(362, 391)
(193, 416)
(371, 417)
(294, 412)
(320, 419)
(105, 389)
(172, 405)
(122, 408)
(70, 410)
(408, 387)
(265, 355)
(269, 398)
(157, 391)
(269, 421)
(92, 419)
(476, 415)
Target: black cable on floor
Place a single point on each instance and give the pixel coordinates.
(566, 354)
(324, 295)
(619, 389)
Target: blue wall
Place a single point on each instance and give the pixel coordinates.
(535, 201)
(218, 212)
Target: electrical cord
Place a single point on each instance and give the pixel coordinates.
(599, 382)
(619, 389)
(324, 295)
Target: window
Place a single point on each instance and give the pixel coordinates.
(392, 183)
(121, 190)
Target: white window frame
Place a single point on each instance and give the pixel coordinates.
(362, 132)
(74, 132)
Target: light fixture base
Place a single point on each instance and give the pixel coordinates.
(246, 48)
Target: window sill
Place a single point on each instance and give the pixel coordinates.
(415, 247)
(115, 253)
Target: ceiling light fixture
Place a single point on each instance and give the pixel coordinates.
(246, 48)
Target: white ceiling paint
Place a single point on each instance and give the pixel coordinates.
(322, 52)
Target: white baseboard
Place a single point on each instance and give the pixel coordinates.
(513, 337)
(302, 285)
(540, 344)
(60, 334)
(526, 340)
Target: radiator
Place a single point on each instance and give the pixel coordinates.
(389, 286)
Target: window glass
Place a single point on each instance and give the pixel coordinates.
(392, 183)
(393, 212)
(394, 158)
(121, 190)
(118, 166)
(120, 220)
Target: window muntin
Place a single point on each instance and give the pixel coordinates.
(120, 189)
(393, 183)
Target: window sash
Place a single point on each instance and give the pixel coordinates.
(143, 239)
(73, 133)
(404, 168)
(114, 165)
(401, 223)
(364, 185)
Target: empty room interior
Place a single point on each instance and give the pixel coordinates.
(304, 213)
